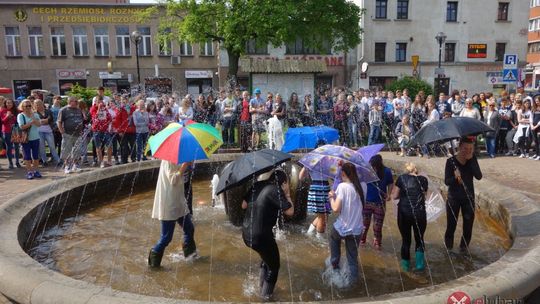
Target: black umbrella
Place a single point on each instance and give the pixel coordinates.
(449, 128)
(249, 165)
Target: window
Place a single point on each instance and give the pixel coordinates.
(164, 44)
(58, 41)
(502, 13)
(451, 11)
(207, 49)
(500, 49)
(401, 51)
(380, 52)
(403, 9)
(123, 46)
(534, 47)
(253, 49)
(35, 37)
(80, 41)
(299, 47)
(380, 9)
(186, 49)
(145, 46)
(13, 41)
(449, 52)
(101, 35)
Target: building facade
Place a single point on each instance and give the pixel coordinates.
(399, 40)
(533, 51)
(52, 47)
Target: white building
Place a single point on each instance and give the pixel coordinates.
(479, 33)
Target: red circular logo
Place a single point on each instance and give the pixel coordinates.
(459, 297)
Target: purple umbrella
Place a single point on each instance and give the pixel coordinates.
(369, 151)
(326, 159)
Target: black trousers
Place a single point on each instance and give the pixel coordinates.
(127, 147)
(417, 223)
(452, 214)
(500, 143)
(115, 143)
(188, 193)
(269, 253)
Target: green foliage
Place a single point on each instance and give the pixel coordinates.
(86, 94)
(414, 85)
(233, 23)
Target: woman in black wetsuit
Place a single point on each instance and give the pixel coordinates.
(268, 197)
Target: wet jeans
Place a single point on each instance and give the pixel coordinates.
(167, 231)
(351, 248)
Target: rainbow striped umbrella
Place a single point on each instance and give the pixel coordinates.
(178, 144)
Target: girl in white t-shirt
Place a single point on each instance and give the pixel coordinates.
(347, 201)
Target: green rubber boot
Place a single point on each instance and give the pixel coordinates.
(405, 264)
(420, 261)
(154, 259)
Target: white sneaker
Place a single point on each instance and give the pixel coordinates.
(522, 156)
(75, 169)
(67, 170)
(533, 157)
(537, 158)
(102, 165)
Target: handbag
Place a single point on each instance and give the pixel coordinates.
(18, 135)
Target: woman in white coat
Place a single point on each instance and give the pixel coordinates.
(170, 207)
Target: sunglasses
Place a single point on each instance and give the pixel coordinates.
(27, 106)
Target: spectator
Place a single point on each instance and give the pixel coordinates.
(522, 137)
(399, 107)
(505, 112)
(126, 130)
(418, 113)
(185, 112)
(70, 124)
(167, 114)
(228, 109)
(101, 93)
(324, 111)
(210, 110)
(512, 147)
(340, 117)
(257, 109)
(8, 117)
(101, 121)
(245, 122)
(141, 119)
(535, 127)
(375, 121)
(200, 113)
(470, 111)
(155, 120)
(404, 131)
(354, 120)
(308, 111)
(46, 132)
(55, 109)
(293, 111)
(86, 134)
(492, 119)
(456, 105)
(443, 105)
(29, 122)
(279, 109)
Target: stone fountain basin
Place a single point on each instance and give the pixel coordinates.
(515, 275)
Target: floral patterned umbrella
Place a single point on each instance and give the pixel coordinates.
(326, 160)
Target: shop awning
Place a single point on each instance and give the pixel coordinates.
(250, 65)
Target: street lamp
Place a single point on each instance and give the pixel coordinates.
(441, 37)
(136, 38)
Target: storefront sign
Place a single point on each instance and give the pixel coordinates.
(86, 14)
(107, 75)
(330, 60)
(70, 73)
(198, 74)
(494, 78)
(477, 51)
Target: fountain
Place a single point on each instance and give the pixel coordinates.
(85, 239)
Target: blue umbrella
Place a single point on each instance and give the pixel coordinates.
(368, 152)
(308, 137)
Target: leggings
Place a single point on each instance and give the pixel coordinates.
(524, 141)
(536, 137)
(452, 214)
(269, 253)
(416, 222)
(378, 212)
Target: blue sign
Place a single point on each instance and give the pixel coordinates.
(510, 75)
(510, 61)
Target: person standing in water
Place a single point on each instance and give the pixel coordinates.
(348, 201)
(458, 176)
(170, 207)
(410, 189)
(267, 197)
(317, 200)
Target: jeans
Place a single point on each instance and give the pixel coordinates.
(227, 131)
(351, 248)
(353, 133)
(374, 134)
(9, 148)
(167, 231)
(452, 213)
(141, 139)
(416, 222)
(49, 138)
(490, 145)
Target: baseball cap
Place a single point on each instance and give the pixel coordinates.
(257, 91)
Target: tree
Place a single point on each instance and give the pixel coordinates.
(233, 23)
(413, 84)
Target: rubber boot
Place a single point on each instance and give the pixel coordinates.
(420, 262)
(189, 248)
(267, 290)
(262, 275)
(154, 259)
(405, 265)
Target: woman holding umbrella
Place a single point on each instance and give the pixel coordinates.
(317, 200)
(268, 197)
